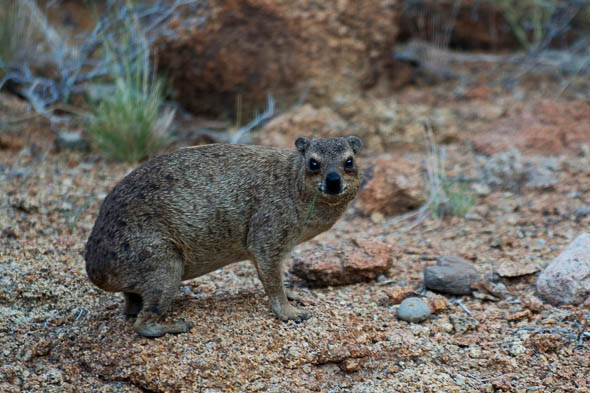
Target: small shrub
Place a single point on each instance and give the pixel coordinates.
(16, 31)
(127, 124)
(444, 195)
(528, 19)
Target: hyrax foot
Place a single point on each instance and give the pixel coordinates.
(147, 325)
(292, 295)
(289, 313)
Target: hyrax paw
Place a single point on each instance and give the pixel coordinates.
(293, 314)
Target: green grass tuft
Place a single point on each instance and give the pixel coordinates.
(444, 195)
(16, 31)
(127, 124)
(528, 19)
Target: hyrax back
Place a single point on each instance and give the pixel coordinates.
(187, 213)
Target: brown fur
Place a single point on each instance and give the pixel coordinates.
(187, 213)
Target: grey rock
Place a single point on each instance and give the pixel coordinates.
(71, 140)
(566, 280)
(504, 170)
(452, 275)
(582, 211)
(462, 323)
(541, 172)
(413, 309)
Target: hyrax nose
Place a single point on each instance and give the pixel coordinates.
(333, 183)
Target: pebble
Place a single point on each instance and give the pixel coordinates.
(413, 309)
(517, 349)
(462, 323)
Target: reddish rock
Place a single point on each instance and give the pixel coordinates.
(566, 279)
(548, 128)
(437, 303)
(519, 315)
(531, 302)
(345, 263)
(305, 120)
(546, 342)
(391, 185)
(396, 295)
(284, 48)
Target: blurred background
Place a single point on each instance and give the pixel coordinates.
(130, 79)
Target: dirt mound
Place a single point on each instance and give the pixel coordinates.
(252, 47)
(303, 121)
(547, 128)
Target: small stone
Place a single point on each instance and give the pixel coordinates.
(54, 376)
(351, 365)
(541, 173)
(566, 279)
(377, 218)
(511, 268)
(413, 309)
(517, 349)
(503, 169)
(519, 315)
(445, 326)
(396, 295)
(582, 211)
(438, 304)
(485, 296)
(475, 351)
(462, 323)
(546, 342)
(453, 275)
(70, 140)
(532, 303)
(460, 379)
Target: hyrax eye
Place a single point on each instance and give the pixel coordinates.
(314, 165)
(349, 163)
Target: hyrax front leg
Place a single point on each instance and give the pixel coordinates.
(269, 240)
(271, 275)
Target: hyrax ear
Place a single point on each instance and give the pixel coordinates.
(302, 143)
(355, 143)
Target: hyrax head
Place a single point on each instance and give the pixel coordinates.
(330, 166)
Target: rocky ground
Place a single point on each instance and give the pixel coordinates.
(517, 137)
(60, 333)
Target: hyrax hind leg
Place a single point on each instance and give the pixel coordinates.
(133, 304)
(161, 279)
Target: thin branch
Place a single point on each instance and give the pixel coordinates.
(259, 119)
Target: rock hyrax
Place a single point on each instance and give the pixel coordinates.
(190, 212)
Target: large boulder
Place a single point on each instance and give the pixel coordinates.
(566, 280)
(249, 48)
